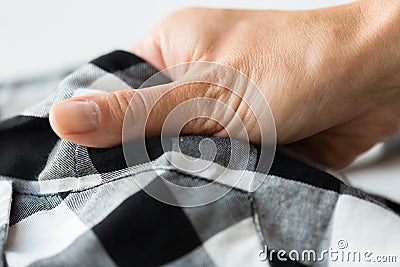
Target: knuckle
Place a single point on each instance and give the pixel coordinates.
(206, 126)
(227, 104)
(117, 104)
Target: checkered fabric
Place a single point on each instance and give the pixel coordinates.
(63, 204)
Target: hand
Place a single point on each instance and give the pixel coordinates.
(331, 77)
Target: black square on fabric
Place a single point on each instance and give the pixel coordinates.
(112, 159)
(25, 144)
(117, 60)
(143, 231)
(287, 167)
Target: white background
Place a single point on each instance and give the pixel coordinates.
(48, 35)
(41, 35)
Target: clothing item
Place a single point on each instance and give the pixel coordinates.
(63, 204)
(17, 95)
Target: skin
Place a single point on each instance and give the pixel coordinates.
(331, 77)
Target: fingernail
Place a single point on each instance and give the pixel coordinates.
(75, 117)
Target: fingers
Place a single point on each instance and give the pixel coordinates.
(98, 120)
(149, 50)
(337, 147)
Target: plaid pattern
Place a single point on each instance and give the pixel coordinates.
(62, 204)
(18, 94)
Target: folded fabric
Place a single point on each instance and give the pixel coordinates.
(63, 204)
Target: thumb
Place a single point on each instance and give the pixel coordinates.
(98, 120)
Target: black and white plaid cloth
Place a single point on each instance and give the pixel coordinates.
(63, 204)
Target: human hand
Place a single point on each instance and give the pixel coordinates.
(331, 79)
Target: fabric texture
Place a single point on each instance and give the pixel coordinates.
(18, 94)
(63, 204)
